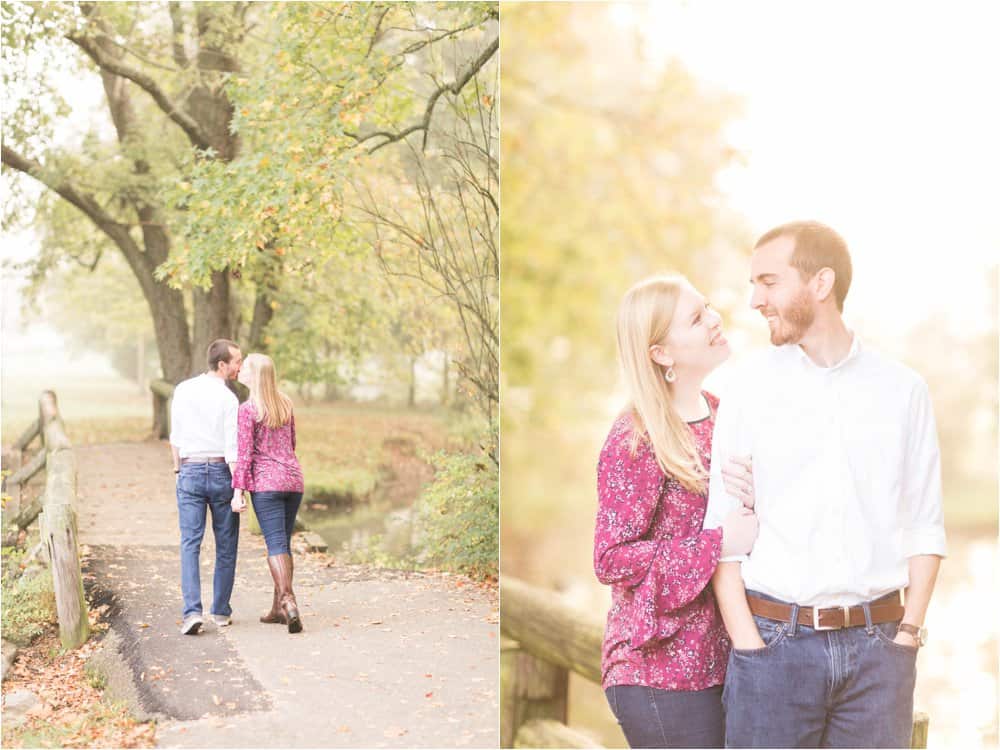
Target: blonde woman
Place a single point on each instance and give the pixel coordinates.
(665, 646)
(266, 467)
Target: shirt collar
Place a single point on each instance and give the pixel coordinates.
(852, 353)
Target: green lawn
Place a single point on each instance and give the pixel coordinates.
(340, 445)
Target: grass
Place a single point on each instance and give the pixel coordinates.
(29, 609)
(340, 446)
(94, 408)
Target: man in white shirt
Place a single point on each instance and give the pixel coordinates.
(847, 488)
(203, 442)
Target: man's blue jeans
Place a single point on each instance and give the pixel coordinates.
(201, 487)
(821, 688)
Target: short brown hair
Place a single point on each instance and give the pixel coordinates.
(816, 246)
(218, 351)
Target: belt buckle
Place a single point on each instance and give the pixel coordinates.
(817, 626)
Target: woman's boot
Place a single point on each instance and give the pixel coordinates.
(282, 566)
(275, 615)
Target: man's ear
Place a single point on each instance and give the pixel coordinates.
(823, 283)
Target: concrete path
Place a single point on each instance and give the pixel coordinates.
(386, 658)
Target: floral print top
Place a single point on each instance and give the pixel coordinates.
(664, 629)
(266, 456)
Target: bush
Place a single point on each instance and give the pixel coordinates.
(456, 518)
(29, 605)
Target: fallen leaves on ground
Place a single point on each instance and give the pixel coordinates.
(72, 712)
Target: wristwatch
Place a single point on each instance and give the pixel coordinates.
(920, 634)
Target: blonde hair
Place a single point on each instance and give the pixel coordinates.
(273, 407)
(643, 319)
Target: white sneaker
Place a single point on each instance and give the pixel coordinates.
(222, 621)
(192, 624)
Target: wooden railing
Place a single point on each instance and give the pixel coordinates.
(55, 509)
(542, 641)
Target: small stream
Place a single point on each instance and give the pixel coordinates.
(350, 525)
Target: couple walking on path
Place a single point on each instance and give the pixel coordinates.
(799, 635)
(222, 450)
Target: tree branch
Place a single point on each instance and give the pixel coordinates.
(425, 123)
(177, 43)
(116, 230)
(187, 123)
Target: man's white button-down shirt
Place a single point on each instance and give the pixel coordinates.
(203, 418)
(846, 473)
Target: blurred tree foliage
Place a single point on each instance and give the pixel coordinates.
(963, 386)
(609, 174)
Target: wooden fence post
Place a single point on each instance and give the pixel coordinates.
(531, 689)
(59, 530)
(921, 722)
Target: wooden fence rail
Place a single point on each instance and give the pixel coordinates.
(56, 513)
(542, 641)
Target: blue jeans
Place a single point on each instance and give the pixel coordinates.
(650, 717)
(200, 487)
(851, 687)
(276, 515)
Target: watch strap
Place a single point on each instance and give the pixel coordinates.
(919, 634)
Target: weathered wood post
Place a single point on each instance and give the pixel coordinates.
(59, 528)
(921, 722)
(530, 689)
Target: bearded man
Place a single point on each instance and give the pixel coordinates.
(826, 613)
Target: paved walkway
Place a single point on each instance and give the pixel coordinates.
(386, 659)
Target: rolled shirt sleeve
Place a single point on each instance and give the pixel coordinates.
(923, 513)
(728, 440)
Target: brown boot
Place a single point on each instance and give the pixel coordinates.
(275, 615)
(281, 569)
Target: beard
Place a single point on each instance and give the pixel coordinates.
(793, 321)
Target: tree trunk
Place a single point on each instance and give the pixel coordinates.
(211, 319)
(262, 314)
(140, 363)
(445, 385)
(411, 398)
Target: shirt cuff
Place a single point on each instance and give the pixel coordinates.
(929, 540)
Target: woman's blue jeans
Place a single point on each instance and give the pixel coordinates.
(276, 515)
(650, 717)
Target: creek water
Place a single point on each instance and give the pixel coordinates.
(383, 518)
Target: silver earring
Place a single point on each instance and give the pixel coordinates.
(670, 376)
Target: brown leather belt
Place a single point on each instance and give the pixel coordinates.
(888, 608)
(210, 460)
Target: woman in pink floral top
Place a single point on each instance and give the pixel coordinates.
(266, 467)
(665, 646)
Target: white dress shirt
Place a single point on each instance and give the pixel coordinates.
(203, 418)
(846, 472)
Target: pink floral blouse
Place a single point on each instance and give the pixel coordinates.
(266, 456)
(664, 629)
